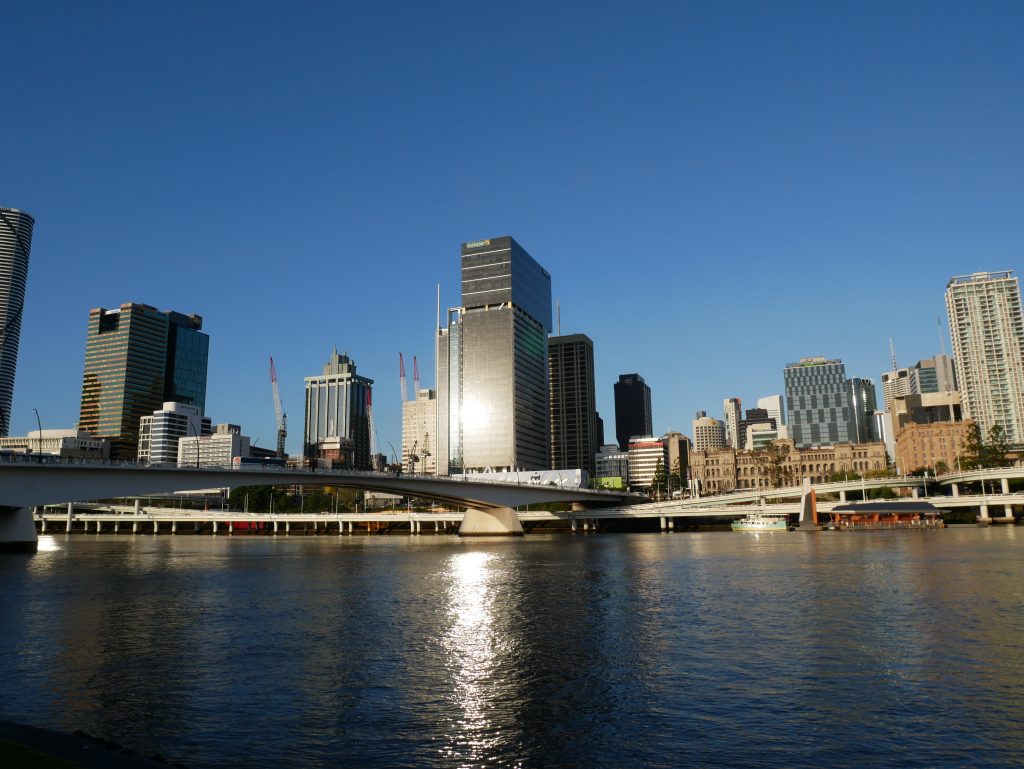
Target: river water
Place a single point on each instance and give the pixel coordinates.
(601, 650)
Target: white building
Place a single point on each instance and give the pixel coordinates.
(217, 449)
(762, 433)
(159, 434)
(987, 328)
(419, 433)
(708, 433)
(645, 454)
(72, 443)
(773, 405)
(733, 413)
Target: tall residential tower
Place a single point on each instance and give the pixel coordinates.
(15, 245)
(987, 329)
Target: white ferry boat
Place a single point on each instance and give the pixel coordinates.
(762, 522)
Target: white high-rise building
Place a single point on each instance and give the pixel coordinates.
(159, 433)
(419, 433)
(733, 415)
(708, 433)
(773, 405)
(646, 453)
(987, 329)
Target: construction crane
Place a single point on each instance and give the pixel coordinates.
(279, 415)
(415, 378)
(401, 376)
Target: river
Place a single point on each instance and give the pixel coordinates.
(886, 648)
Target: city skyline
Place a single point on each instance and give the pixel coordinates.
(634, 197)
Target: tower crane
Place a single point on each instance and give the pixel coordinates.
(401, 376)
(279, 415)
(415, 378)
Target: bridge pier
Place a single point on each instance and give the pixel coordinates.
(671, 524)
(99, 525)
(135, 527)
(174, 527)
(842, 495)
(156, 527)
(18, 530)
(956, 489)
(1006, 485)
(287, 527)
(275, 527)
(664, 524)
(43, 527)
(214, 527)
(71, 513)
(117, 527)
(351, 527)
(231, 527)
(493, 522)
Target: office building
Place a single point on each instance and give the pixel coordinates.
(612, 462)
(646, 455)
(987, 329)
(935, 375)
(863, 404)
(492, 383)
(926, 409)
(817, 402)
(678, 448)
(137, 358)
(754, 417)
(218, 448)
(732, 412)
(337, 404)
(15, 245)
(69, 444)
(708, 433)
(935, 445)
(632, 409)
(773, 405)
(898, 382)
(160, 432)
(419, 433)
(574, 432)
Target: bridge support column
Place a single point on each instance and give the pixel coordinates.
(573, 525)
(71, 513)
(43, 526)
(664, 524)
(117, 527)
(671, 524)
(493, 522)
(135, 527)
(351, 527)
(214, 527)
(174, 527)
(231, 527)
(913, 493)
(287, 527)
(156, 527)
(983, 514)
(842, 495)
(1007, 511)
(138, 506)
(18, 530)
(275, 527)
(99, 525)
(1006, 485)
(956, 489)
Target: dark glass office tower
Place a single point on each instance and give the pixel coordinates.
(15, 244)
(493, 361)
(863, 404)
(632, 409)
(132, 361)
(574, 434)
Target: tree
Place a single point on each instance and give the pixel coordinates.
(996, 450)
(771, 462)
(971, 449)
(660, 477)
(676, 479)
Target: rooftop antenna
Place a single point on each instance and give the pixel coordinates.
(892, 354)
(558, 315)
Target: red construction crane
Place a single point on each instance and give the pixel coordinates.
(279, 415)
(401, 376)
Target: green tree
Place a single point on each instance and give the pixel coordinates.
(971, 449)
(996, 450)
(676, 479)
(771, 463)
(658, 483)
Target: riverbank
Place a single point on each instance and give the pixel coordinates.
(29, 747)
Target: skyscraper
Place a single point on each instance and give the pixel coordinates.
(818, 404)
(336, 408)
(708, 433)
(15, 245)
(632, 409)
(863, 404)
(574, 438)
(732, 411)
(493, 363)
(987, 329)
(137, 358)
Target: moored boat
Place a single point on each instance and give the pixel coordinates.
(761, 522)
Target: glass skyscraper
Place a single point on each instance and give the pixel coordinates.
(493, 363)
(15, 245)
(574, 439)
(632, 409)
(818, 403)
(136, 359)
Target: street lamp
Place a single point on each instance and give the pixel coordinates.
(39, 425)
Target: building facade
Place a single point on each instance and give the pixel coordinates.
(70, 444)
(632, 409)
(646, 455)
(863, 404)
(337, 406)
(132, 365)
(15, 246)
(818, 405)
(419, 433)
(724, 470)
(574, 438)
(708, 433)
(987, 328)
(160, 432)
(936, 374)
(492, 384)
(219, 448)
(612, 462)
(773, 404)
(935, 445)
(732, 411)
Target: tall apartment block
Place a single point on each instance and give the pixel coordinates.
(632, 409)
(733, 414)
(574, 438)
(337, 404)
(15, 244)
(708, 433)
(492, 382)
(136, 359)
(987, 329)
(818, 406)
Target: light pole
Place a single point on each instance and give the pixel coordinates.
(39, 425)
(196, 434)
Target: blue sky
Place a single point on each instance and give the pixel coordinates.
(717, 189)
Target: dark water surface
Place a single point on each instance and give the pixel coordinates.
(626, 650)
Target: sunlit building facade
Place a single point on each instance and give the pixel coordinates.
(337, 406)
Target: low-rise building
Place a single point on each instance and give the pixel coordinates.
(218, 449)
(926, 445)
(646, 453)
(160, 432)
(70, 444)
(611, 462)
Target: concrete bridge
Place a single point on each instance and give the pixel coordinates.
(489, 505)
